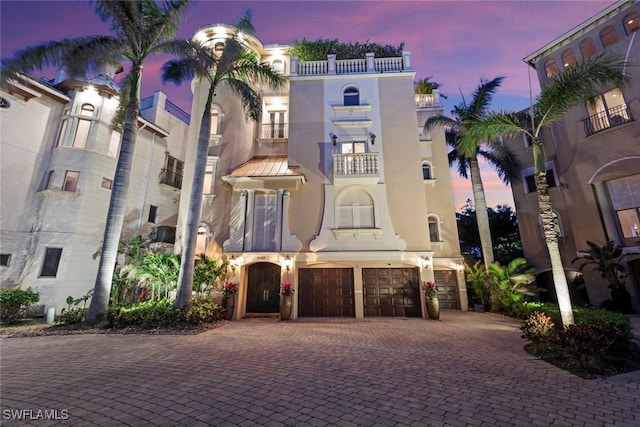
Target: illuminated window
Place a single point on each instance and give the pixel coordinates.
(351, 96)
(568, 58)
(215, 120)
(631, 23)
(587, 48)
(608, 36)
(209, 176)
(550, 67)
(625, 200)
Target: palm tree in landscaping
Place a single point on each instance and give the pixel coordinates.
(240, 69)
(142, 28)
(467, 149)
(569, 89)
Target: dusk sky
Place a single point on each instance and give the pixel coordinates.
(456, 42)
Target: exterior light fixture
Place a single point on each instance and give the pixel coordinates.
(233, 262)
(373, 137)
(334, 137)
(287, 262)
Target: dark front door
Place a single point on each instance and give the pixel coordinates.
(325, 292)
(263, 288)
(391, 292)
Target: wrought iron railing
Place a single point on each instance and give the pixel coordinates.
(170, 178)
(606, 119)
(355, 164)
(274, 131)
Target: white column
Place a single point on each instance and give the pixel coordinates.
(406, 60)
(371, 66)
(248, 220)
(279, 219)
(332, 64)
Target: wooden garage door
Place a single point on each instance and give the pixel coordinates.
(447, 284)
(325, 292)
(391, 292)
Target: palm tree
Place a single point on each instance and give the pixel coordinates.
(565, 91)
(142, 28)
(240, 69)
(467, 149)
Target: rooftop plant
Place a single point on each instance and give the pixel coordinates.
(307, 50)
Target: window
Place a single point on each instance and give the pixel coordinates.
(171, 175)
(114, 144)
(5, 260)
(153, 213)
(587, 48)
(70, 181)
(209, 176)
(427, 171)
(218, 49)
(530, 182)
(568, 58)
(277, 124)
(608, 36)
(434, 228)
(63, 132)
(351, 96)
(48, 182)
(51, 262)
(264, 222)
(550, 67)
(106, 183)
(355, 209)
(606, 110)
(82, 129)
(631, 23)
(202, 239)
(354, 147)
(278, 66)
(625, 200)
(215, 120)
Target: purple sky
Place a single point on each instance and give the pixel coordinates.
(456, 42)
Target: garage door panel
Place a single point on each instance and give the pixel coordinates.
(391, 292)
(326, 292)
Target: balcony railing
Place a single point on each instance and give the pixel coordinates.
(369, 64)
(274, 131)
(425, 100)
(606, 119)
(170, 178)
(355, 165)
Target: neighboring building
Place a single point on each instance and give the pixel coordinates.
(58, 157)
(335, 190)
(593, 156)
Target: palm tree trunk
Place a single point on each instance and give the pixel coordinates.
(117, 205)
(185, 279)
(482, 217)
(551, 240)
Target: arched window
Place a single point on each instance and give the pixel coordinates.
(587, 48)
(550, 67)
(434, 228)
(568, 58)
(202, 239)
(351, 96)
(218, 49)
(608, 36)
(355, 209)
(278, 66)
(631, 23)
(87, 110)
(427, 171)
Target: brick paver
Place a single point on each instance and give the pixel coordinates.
(467, 369)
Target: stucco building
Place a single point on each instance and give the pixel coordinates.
(593, 156)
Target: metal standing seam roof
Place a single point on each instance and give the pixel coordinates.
(273, 166)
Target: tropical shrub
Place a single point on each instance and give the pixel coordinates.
(538, 327)
(14, 303)
(509, 285)
(478, 277)
(73, 316)
(581, 314)
(205, 273)
(159, 313)
(592, 341)
(307, 50)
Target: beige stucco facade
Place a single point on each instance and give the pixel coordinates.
(594, 153)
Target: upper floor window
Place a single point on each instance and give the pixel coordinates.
(434, 228)
(568, 58)
(278, 66)
(70, 182)
(51, 262)
(209, 176)
(265, 221)
(114, 144)
(218, 49)
(5, 260)
(608, 36)
(215, 120)
(87, 110)
(606, 110)
(427, 171)
(355, 209)
(351, 96)
(587, 48)
(530, 181)
(625, 200)
(48, 181)
(550, 67)
(631, 22)
(353, 147)
(171, 174)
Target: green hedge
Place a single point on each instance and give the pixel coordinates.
(580, 315)
(163, 313)
(14, 303)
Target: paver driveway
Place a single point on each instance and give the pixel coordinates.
(468, 369)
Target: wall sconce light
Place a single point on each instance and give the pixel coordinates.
(233, 262)
(373, 137)
(334, 137)
(426, 262)
(287, 262)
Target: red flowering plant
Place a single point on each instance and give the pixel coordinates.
(286, 288)
(429, 289)
(229, 289)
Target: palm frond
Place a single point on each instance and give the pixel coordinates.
(482, 97)
(503, 160)
(441, 121)
(250, 98)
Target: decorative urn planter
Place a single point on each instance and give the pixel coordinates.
(286, 303)
(433, 307)
(228, 303)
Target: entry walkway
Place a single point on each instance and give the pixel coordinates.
(467, 369)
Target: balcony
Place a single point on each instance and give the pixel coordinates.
(607, 119)
(274, 131)
(356, 165)
(428, 100)
(370, 64)
(171, 179)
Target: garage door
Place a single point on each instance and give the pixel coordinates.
(391, 292)
(325, 292)
(447, 284)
